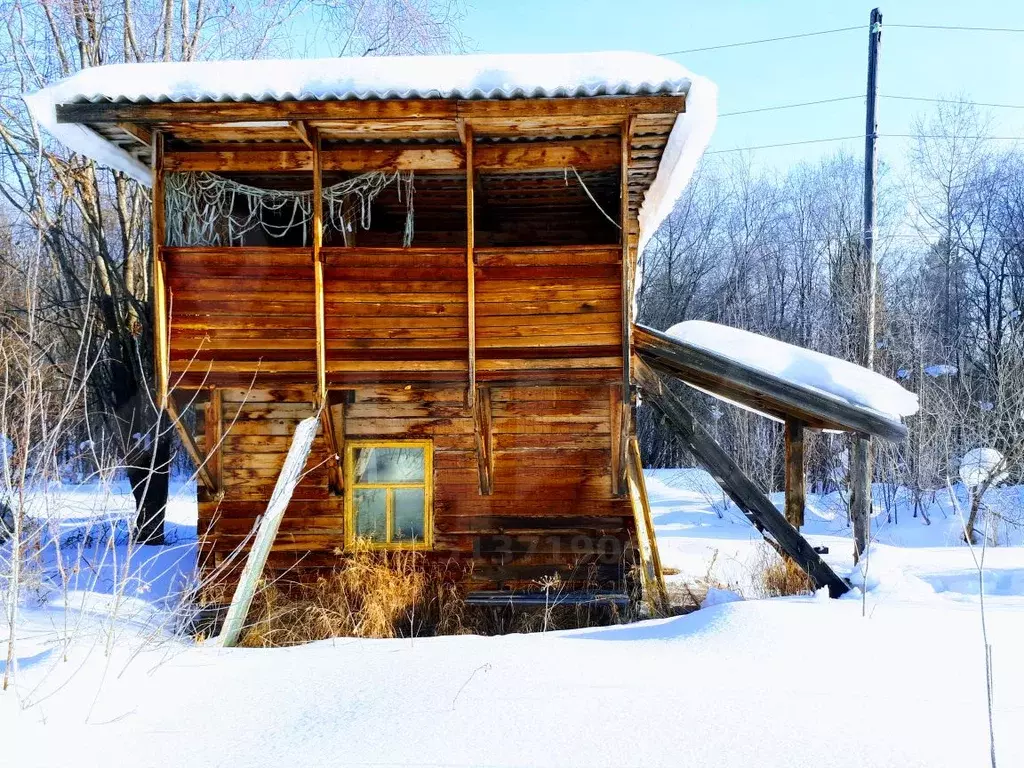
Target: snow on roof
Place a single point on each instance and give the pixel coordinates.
(478, 76)
(828, 375)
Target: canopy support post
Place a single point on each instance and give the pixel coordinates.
(796, 480)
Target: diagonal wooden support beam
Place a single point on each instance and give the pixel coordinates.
(484, 439)
(332, 417)
(206, 477)
(753, 503)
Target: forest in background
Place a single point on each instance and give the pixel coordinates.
(781, 254)
(748, 246)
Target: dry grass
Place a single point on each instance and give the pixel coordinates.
(780, 577)
(376, 594)
(396, 594)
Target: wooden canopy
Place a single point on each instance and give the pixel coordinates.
(781, 399)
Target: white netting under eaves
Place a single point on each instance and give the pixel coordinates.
(204, 209)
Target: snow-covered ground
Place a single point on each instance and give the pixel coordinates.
(896, 679)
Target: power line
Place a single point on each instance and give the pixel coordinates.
(861, 96)
(944, 27)
(952, 28)
(861, 136)
(952, 101)
(783, 144)
(792, 106)
(765, 40)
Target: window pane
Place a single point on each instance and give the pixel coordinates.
(408, 513)
(371, 515)
(389, 465)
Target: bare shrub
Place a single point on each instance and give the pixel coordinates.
(777, 576)
(376, 594)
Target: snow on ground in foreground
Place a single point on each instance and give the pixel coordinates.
(784, 682)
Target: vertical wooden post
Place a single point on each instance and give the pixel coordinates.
(161, 342)
(623, 397)
(213, 434)
(796, 479)
(318, 270)
(470, 267)
(618, 434)
(627, 297)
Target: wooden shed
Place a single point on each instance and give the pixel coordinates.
(437, 255)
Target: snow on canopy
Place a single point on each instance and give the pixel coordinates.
(832, 376)
(480, 76)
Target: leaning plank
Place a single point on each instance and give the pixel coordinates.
(290, 475)
(757, 507)
(652, 576)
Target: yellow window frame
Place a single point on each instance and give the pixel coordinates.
(427, 484)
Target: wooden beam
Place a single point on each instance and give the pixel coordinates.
(318, 274)
(627, 296)
(484, 434)
(213, 435)
(582, 154)
(161, 340)
(255, 160)
(188, 441)
(796, 479)
(652, 574)
(302, 131)
(718, 374)
(470, 268)
(750, 499)
(512, 157)
(335, 440)
(367, 109)
(619, 438)
(141, 134)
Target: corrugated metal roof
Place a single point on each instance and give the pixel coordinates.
(487, 76)
(481, 76)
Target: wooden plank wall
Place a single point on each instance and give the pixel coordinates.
(237, 312)
(542, 310)
(258, 425)
(395, 314)
(551, 510)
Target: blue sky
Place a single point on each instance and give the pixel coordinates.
(985, 67)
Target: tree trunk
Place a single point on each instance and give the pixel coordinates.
(860, 494)
(976, 494)
(149, 474)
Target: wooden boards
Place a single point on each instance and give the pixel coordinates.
(505, 157)
(418, 110)
(362, 315)
(242, 313)
(550, 509)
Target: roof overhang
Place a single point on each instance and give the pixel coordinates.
(109, 113)
(756, 390)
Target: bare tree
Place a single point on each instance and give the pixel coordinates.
(94, 223)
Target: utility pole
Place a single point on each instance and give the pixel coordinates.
(860, 457)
